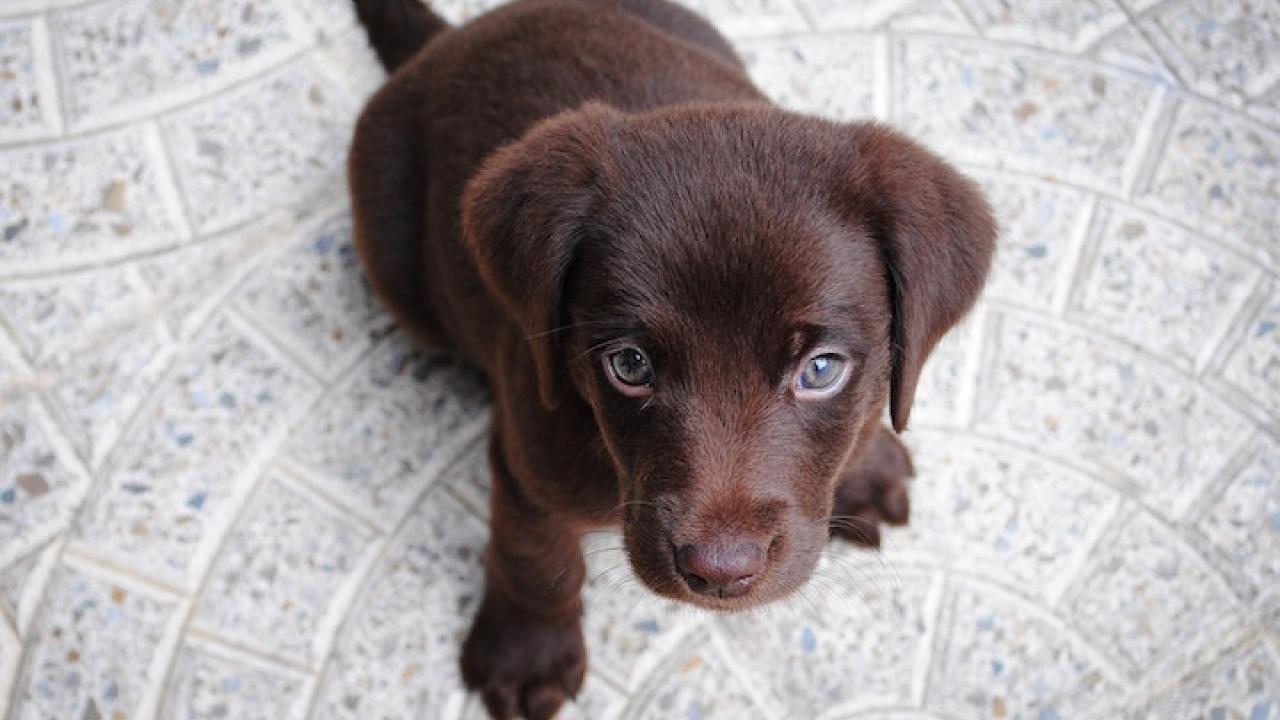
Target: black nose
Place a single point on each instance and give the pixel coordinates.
(723, 568)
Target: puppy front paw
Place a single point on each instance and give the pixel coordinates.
(523, 666)
(872, 491)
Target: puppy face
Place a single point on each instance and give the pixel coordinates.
(739, 308)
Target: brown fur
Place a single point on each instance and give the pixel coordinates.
(561, 176)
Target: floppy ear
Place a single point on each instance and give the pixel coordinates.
(523, 215)
(935, 235)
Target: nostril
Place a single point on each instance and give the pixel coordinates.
(722, 569)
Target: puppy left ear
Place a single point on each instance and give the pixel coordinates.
(935, 235)
(524, 214)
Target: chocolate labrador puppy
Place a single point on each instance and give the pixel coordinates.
(691, 305)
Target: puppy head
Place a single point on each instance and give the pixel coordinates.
(736, 292)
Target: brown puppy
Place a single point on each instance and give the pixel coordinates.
(692, 306)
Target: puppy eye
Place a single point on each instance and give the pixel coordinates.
(822, 375)
(630, 372)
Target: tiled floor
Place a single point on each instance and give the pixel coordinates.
(228, 488)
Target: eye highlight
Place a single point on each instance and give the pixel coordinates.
(629, 371)
(822, 375)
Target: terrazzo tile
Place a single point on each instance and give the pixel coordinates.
(1151, 283)
(224, 404)
(10, 652)
(1004, 659)
(1006, 514)
(1037, 221)
(940, 394)
(1072, 395)
(1224, 47)
(22, 584)
(315, 296)
(627, 627)
(70, 202)
(206, 684)
(457, 12)
(931, 15)
(124, 57)
(40, 483)
(830, 75)
(92, 332)
(1244, 523)
(1067, 25)
(192, 282)
(396, 655)
(1221, 173)
(990, 106)
(358, 66)
(1244, 684)
(1253, 367)
(750, 18)
(260, 145)
(278, 573)
(93, 649)
(695, 684)
(859, 647)
(1145, 596)
(376, 441)
(27, 110)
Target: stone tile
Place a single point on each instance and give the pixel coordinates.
(929, 15)
(1037, 221)
(83, 200)
(1007, 514)
(991, 106)
(278, 573)
(830, 75)
(1067, 25)
(1147, 598)
(349, 51)
(1244, 523)
(941, 397)
(315, 297)
(1151, 283)
(1223, 47)
(1071, 395)
(208, 683)
(260, 146)
(22, 584)
(627, 628)
(1005, 659)
(694, 684)
(1244, 683)
(860, 645)
(123, 58)
(93, 651)
(750, 18)
(377, 441)
(1253, 367)
(192, 282)
(1221, 173)
(396, 656)
(27, 106)
(1126, 48)
(40, 483)
(92, 331)
(225, 402)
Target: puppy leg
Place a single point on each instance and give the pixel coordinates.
(873, 490)
(525, 654)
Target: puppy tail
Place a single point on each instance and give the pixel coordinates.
(398, 28)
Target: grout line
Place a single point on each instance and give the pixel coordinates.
(925, 658)
(973, 366)
(1223, 343)
(1149, 142)
(883, 45)
(942, 599)
(463, 441)
(1077, 260)
(1106, 526)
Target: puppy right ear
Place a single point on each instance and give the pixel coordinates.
(524, 214)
